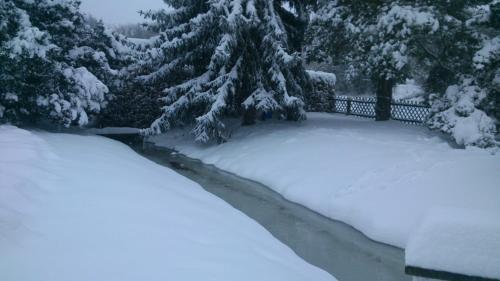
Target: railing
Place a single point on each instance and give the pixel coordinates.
(405, 111)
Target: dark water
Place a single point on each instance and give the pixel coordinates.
(333, 246)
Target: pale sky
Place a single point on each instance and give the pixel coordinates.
(120, 11)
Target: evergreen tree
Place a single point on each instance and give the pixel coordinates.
(136, 105)
(468, 108)
(321, 98)
(440, 42)
(118, 54)
(54, 63)
(222, 58)
(373, 38)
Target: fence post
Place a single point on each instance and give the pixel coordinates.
(331, 104)
(348, 106)
(384, 99)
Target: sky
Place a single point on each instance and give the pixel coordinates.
(120, 11)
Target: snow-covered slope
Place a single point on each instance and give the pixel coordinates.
(88, 208)
(380, 177)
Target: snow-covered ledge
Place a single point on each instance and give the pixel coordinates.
(455, 244)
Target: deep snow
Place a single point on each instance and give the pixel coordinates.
(89, 208)
(458, 241)
(380, 177)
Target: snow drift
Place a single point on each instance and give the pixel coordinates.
(88, 208)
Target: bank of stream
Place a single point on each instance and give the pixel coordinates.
(331, 245)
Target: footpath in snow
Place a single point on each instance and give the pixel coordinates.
(380, 177)
(89, 208)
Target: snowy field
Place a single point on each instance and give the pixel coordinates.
(380, 177)
(89, 208)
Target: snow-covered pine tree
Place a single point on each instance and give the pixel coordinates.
(322, 97)
(458, 113)
(222, 58)
(373, 38)
(105, 53)
(53, 66)
(8, 22)
(136, 105)
(116, 55)
(469, 108)
(485, 20)
(443, 43)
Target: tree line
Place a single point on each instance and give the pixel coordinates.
(210, 60)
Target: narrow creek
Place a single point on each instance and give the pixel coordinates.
(331, 245)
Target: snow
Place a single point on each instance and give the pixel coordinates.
(409, 91)
(457, 241)
(29, 40)
(408, 17)
(11, 97)
(379, 177)
(91, 95)
(489, 53)
(327, 78)
(458, 114)
(89, 208)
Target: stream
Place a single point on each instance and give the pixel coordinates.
(333, 246)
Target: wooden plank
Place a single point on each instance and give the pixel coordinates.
(443, 275)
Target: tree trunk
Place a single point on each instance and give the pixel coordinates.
(249, 116)
(384, 98)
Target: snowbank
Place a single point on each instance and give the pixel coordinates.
(22, 158)
(457, 241)
(89, 208)
(380, 177)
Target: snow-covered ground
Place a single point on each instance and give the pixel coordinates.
(380, 177)
(89, 208)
